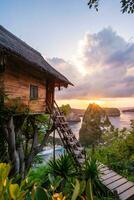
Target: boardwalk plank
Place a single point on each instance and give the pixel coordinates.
(107, 176)
(127, 195)
(104, 169)
(112, 179)
(106, 172)
(124, 187)
(117, 183)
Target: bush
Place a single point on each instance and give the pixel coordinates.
(119, 155)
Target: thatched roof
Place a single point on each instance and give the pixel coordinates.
(13, 44)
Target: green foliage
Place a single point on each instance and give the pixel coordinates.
(24, 190)
(91, 175)
(55, 176)
(8, 190)
(29, 133)
(93, 3)
(126, 5)
(40, 194)
(66, 109)
(118, 152)
(38, 160)
(76, 190)
(39, 175)
(4, 112)
(62, 167)
(61, 176)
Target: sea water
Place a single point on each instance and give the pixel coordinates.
(118, 122)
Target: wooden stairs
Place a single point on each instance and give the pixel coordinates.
(71, 144)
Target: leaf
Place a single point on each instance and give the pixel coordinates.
(40, 194)
(51, 178)
(88, 194)
(14, 190)
(4, 172)
(82, 187)
(76, 190)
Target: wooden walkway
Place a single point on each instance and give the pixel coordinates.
(117, 184)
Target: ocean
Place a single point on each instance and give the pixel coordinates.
(118, 122)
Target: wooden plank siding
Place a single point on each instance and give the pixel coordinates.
(17, 80)
(117, 184)
(1, 81)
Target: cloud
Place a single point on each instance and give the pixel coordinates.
(65, 67)
(107, 61)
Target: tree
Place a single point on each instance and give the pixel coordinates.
(66, 109)
(23, 136)
(126, 5)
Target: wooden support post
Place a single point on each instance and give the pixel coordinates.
(54, 145)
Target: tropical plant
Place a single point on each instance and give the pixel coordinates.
(23, 191)
(39, 175)
(8, 190)
(60, 176)
(62, 166)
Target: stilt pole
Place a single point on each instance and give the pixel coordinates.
(54, 145)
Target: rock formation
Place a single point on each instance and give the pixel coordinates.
(94, 122)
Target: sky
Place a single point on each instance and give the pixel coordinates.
(95, 51)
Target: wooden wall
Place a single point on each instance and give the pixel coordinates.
(17, 82)
(1, 81)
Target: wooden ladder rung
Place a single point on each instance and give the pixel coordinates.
(60, 116)
(80, 155)
(72, 143)
(71, 140)
(65, 129)
(80, 148)
(81, 160)
(63, 123)
(71, 136)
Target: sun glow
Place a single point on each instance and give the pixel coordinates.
(104, 102)
(82, 104)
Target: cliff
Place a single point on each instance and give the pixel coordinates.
(94, 122)
(112, 112)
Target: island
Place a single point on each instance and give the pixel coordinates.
(69, 113)
(112, 112)
(74, 114)
(128, 110)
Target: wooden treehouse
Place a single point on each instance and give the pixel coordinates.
(29, 81)
(26, 76)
